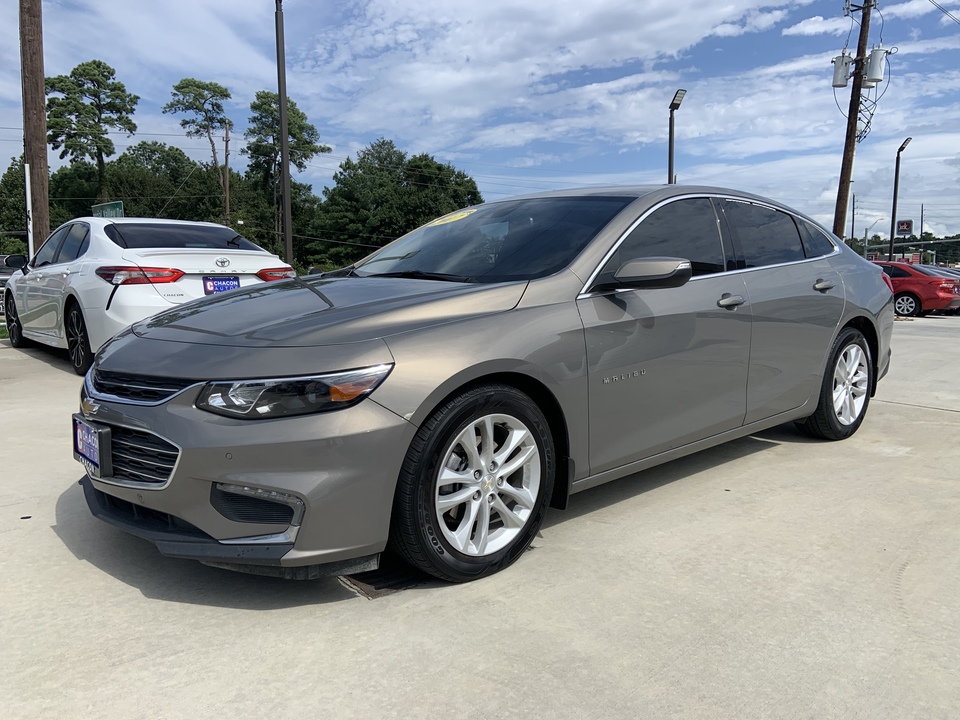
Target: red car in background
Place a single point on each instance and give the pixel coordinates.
(919, 290)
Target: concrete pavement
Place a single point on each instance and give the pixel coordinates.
(773, 577)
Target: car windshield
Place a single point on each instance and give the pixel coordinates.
(498, 242)
(139, 236)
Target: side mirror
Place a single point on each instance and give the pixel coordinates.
(15, 261)
(648, 274)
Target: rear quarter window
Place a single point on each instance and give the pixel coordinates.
(766, 236)
(815, 243)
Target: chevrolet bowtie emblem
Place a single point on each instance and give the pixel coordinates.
(88, 407)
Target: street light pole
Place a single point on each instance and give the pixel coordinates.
(284, 140)
(896, 190)
(674, 105)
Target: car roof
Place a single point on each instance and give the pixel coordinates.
(654, 194)
(103, 222)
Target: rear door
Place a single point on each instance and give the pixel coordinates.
(797, 299)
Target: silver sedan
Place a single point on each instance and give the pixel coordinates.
(439, 395)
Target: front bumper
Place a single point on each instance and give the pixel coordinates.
(339, 469)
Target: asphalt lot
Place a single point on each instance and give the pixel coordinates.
(772, 577)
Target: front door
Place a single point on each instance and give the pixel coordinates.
(667, 367)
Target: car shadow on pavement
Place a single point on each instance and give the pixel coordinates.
(54, 357)
(137, 563)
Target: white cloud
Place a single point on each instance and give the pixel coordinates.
(818, 25)
(910, 9)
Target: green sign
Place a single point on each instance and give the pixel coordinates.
(109, 209)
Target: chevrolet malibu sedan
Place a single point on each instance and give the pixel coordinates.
(439, 395)
(94, 276)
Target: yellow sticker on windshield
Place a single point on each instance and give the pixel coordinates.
(452, 217)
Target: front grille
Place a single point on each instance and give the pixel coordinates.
(137, 388)
(247, 509)
(141, 457)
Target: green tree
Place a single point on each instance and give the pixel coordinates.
(380, 196)
(204, 101)
(263, 147)
(263, 138)
(150, 179)
(13, 200)
(82, 108)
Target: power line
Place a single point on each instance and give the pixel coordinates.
(946, 12)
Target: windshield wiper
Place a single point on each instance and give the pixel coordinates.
(340, 272)
(425, 275)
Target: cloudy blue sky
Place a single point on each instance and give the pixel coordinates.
(552, 93)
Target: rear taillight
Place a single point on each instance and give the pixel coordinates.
(133, 275)
(281, 273)
(887, 280)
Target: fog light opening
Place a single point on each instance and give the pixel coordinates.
(271, 495)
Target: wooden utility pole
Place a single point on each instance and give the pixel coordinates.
(34, 116)
(853, 115)
(284, 139)
(226, 176)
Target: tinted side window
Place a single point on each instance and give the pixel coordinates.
(48, 251)
(815, 243)
(75, 244)
(767, 237)
(683, 229)
(895, 272)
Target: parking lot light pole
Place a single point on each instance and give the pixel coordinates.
(896, 189)
(674, 105)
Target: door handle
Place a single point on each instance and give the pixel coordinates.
(823, 285)
(730, 302)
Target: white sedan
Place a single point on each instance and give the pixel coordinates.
(95, 276)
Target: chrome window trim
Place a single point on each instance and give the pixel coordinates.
(721, 196)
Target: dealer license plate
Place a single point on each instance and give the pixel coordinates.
(91, 444)
(219, 284)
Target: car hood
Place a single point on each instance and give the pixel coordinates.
(308, 312)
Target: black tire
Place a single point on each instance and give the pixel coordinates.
(78, 342)
(906, 305)
(12, 319)
(421, 534)
(826, 423)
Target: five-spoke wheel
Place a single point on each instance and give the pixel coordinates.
(845, 391)
(475, 484)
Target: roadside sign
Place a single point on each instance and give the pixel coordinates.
(109, 209)
(904, 227)
(915, 258)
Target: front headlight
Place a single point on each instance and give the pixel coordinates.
(281, 397)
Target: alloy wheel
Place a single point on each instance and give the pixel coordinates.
(78, 345)
(905, 305)
(487, 484)
(850, 384)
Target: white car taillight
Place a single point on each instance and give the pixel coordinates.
(133, 275)
(283, 273)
